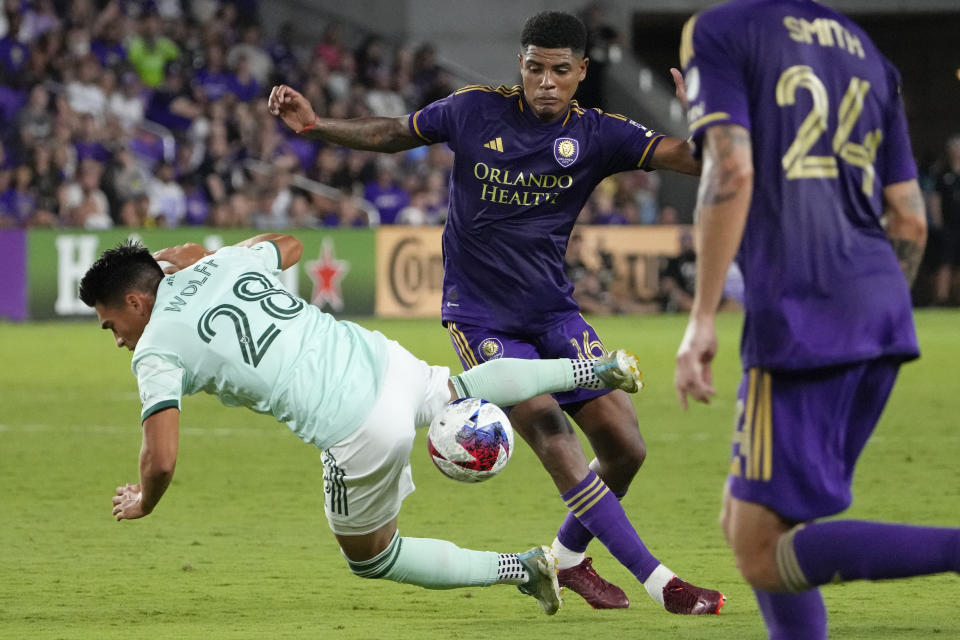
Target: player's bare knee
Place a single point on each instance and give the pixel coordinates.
(758, 568)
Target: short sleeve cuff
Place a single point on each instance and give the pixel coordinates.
(279, 255)
(647, 156)
(160, 406)
(415, 128)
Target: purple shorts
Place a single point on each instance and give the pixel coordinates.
(573, 338)
(799, 433)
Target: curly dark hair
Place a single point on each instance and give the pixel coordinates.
(555, 30)
(127, 267)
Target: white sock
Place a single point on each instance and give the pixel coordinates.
(656, 581)
(565, 557)
(510, 570)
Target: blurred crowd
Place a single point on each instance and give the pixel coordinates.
(141, 114)
(153, 113)
(148, 113)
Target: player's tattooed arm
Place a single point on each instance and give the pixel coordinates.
(723, 200)
(369, 134)
(906, 224)
(728, 165)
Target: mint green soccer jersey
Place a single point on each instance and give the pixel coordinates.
(226, 326)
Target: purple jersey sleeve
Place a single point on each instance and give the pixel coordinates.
(895, 157)
(435, 122)
(716, 88)
(630, 144)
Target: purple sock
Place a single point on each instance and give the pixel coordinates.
(793, 616)
(573, 535)
(599, 512)
(856, 550)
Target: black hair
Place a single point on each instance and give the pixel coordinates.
(555, 30)
(127, 267)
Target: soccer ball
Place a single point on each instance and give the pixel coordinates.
(470, 440)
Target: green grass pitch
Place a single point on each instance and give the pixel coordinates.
(239, 547)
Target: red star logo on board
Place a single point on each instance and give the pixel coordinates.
(326, 273)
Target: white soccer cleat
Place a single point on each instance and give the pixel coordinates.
(619, 370)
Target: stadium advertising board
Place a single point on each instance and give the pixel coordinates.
(336, 271)
(410, 263)
(409, 272)
(13, 266)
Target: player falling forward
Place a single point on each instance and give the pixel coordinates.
(802, 89)
(526, 160)
(223, 324)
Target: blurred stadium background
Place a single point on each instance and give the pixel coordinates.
(149, 118)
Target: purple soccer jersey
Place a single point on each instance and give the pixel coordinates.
(517, 187)
(822, 283)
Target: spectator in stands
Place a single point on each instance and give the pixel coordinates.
(383, 99)
(605, 210)
(678, 278)
(303, 214)
(89, 141)
(281, 51)
(82, 202)
(126, 180)
(171, 104)
(83, 91)
(212, 81)
(385, 192)
(604, 47)
(127, 103)
(330, 48)
(328, 166)
(245, 85)
(197, 202)
(46, 180)
(945, 212)
(218, 166)
(588, 288)
(417, 213)
(34, 122)
(371, 58)
(39, 18)
(168, 202)
(19, 201)
(253, 50)
(352, 214)
(13, 53)
(150, 51)
(108, 36)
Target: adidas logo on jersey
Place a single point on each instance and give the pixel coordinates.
(496, 144)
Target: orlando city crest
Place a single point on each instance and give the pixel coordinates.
(566, 151)
(491, 349)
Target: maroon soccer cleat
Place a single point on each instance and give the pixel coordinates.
(684, 598)
(585, 581)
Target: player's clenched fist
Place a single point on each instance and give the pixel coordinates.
(290, 105)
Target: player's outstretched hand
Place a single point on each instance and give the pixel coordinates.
(291, 107)
(180, 256)
(128, 503)
(694, 375)
(681, 87)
